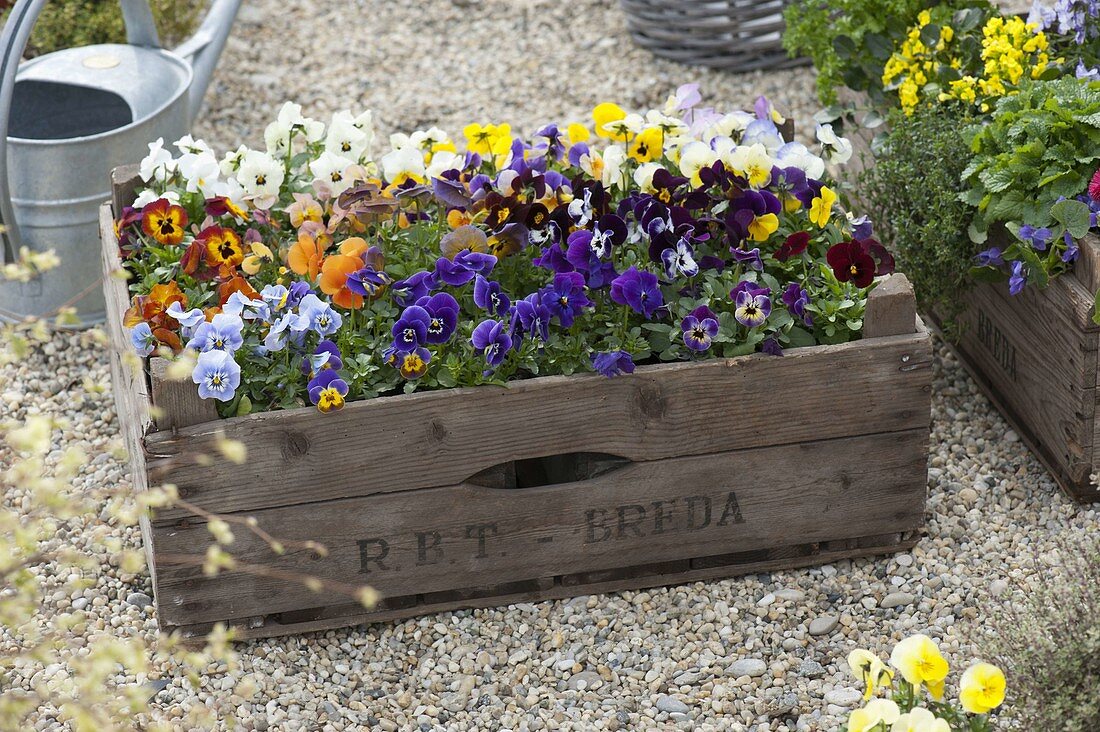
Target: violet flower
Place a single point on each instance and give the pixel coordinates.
(217, 375)
(679, 260)
(991, 258)
(1039, 238)
(327, 391)
(367, 281)
(142, 339)
(796, 299)
(699, 329)
(752, 310)
(489, 297)
(1018, 280)
(639, 290)
(412, 288)
(612, 363)
(492, 340)
(411, 329)
(223, 333)
(530, 315)
(565, 298)
(466, 264)
(443, 316)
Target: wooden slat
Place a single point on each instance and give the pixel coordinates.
(443, 539)
(340, 616)
(124, 184)
(1087, 268)
(177, 401)
(442, 438)
(132, 404)
(891, 308)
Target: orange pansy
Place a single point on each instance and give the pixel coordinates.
(335, 271)
(164, 221)
(306, 257)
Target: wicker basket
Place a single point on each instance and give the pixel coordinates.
(740, 35)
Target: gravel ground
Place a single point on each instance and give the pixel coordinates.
(764, 652)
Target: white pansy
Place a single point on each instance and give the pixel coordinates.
(445, 160)
(643, 176)
(158, 165)
(426, 139)
(632, 123)
(695, 156)
(402, 163)
(669, 125)
(331, 169)
(232, 161)
(797, 155)
(732, 125)
(614, 157)
(835, 149)
(148, 195)
(753, 163)
(201, 171)
(291, 121)
(344, 138)
(260, 175)
(188, 145)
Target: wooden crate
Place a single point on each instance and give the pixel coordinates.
(1035, 356)
(547, 488)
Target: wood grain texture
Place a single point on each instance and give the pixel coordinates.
(891, 308)
(631, 578)
(1087, 267)
(124, 184)
(177, 401)
(1031, 355)
(445, 539)
(444, 437)
(132, 403)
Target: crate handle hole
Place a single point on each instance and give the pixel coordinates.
(570, 467)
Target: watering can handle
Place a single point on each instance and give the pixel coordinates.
(202, 50)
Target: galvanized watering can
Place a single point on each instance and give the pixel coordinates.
(71, 116)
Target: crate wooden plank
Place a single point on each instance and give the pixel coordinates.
(177, 402)
(631, 578)
(132, 403)
(444, 437)
(441, 539)
(1030, 355)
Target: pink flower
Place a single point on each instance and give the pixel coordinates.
(1094, 186)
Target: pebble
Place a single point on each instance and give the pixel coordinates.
(824, 624)
(998, 588)
(139, 600)
(844, 697)
(666, 703)
(897, 599)
(752, 667)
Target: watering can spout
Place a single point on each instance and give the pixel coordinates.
(203, 49)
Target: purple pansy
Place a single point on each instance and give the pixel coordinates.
(771, 347)
(565, 298)
(612, 363)
(442, 311)
(679, 259)
(411, 329)
(464, 267)
(217, 375)
(530, 315)
(367, 281)
(488, 296)
(638, 289)
(326, 357)
(327, 391)
(491, 338)
(699, 329)
(796, 299)
(319, 315)
(752, 310)
(750, 258)
(142, 339)
(223, 333)
(412, 288)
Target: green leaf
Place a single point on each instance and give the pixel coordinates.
(930, 35)
(1074, 215)
(844, 46)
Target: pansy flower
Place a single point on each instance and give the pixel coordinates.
(407, 291)
(325, 356)
(699, 329)
(821, 207)
(749, 258)
(327, 390)
(753, 215)
(794, 245)
(188, 319)
(306, 257)
(411, 329)
(259, 253)
(679, 259)
(413, 364)
(319, 315)
(442, 311)
(771, 347)
(222, 333)
(751, 310)
(222, 206)
(467, 237)
(491, 338)
(612, 363)
(565, 298)
(489, 297)
(222, 247)
(164, 221)
(142, 339)
(353, 254)
(638, 290)
(217, 375)
(530, 315)
(851, 263)
(464, 267)
(796, 299)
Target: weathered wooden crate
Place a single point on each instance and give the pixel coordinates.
(1035, 356)
(548, 488)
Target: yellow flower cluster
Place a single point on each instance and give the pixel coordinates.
(1010, 49)
(920, 664)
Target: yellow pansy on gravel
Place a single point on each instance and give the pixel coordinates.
(904, 707)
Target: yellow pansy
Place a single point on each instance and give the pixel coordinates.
(488, 139)
(877, 711)
(821, 208)
(577, 133)
(763, 226)
(919, 661)
(752, 163)
(603, 115)
(982, 688)
(260, 254)
(920, 720)
(869, 670)
(647, 146)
